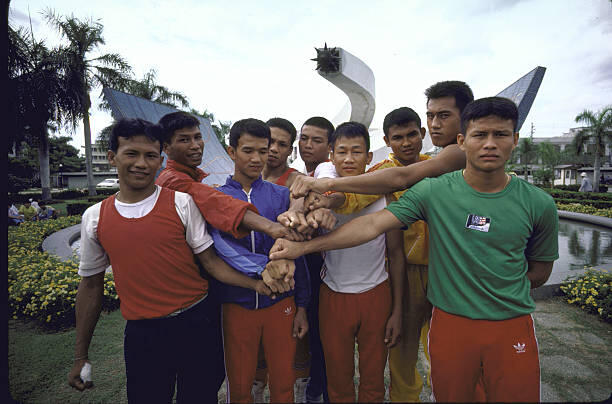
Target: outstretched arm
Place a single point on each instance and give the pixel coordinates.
(355, 232)
(385, 181)
(88, 307)
(218, 269)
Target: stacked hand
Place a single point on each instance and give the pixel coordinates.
(304, 184)
(285, 249)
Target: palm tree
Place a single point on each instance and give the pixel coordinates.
(39, 98)
(550, 158)
(221, 128)
(85, 73)
(597, 131)
(526, 148)
(148, 88)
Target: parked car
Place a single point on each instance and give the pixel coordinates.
(109, 183)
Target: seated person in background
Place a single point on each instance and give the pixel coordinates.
(28, 211)
(13, 215)
(357, 302)
(46, 212)
(35, 204)
(249, 319)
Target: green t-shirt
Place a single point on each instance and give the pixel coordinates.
(480, 243)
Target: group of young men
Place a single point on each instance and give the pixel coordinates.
(292, 269)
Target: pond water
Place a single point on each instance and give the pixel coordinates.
(76, 246)
(581, 245)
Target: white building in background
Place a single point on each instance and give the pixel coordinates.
(568, 174)
(99, 159)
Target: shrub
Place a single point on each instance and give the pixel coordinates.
(596, 204)
(106, 191)
(97, 198)
(41, 287)
(61, 195)
(573, 188)
(592, 291)
(556, 193)
(70, 194)
(586, 209)
(77, 209)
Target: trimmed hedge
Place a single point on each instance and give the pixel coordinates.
(596, 204)
(586, 209)
(59, 196)
(555, 193)
(77, 209)
(573, 188)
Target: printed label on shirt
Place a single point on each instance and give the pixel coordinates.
(479, 223)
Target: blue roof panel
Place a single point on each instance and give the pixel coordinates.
(215, 161)
(523, 92)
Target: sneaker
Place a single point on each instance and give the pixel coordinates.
(258, 391)
(299, 390)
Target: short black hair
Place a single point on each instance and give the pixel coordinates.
(458, 89)
(400, 117)
(322, 123)
(252, 126)
(496, 106)
(351, 130)
(129, 127)
(283, 124)
(175, 121)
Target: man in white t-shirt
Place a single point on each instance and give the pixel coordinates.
(149, 234)
(356, 300)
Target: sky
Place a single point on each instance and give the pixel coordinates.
(241, 59)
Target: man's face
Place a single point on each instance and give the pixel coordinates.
(443, 121)
(250, 156)
(406, 141)
(350, 156)
(488, 143)
(280, 147)
(313, 144)
(186, 147)
(137, 160)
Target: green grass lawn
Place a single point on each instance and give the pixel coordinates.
(39, 363)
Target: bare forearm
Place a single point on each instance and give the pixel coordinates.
(254, 222)
(356, 232)
(88, 307)
(374, 183)
(399, 178)
(395, 255)
(219, 270)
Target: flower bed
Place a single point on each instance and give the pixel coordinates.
(41, 287)
(592, 291)
(589, 210)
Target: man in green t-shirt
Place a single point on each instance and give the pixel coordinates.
(495, 237)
